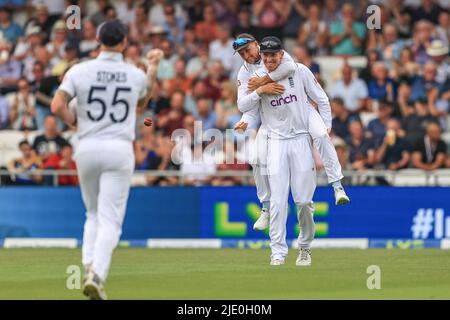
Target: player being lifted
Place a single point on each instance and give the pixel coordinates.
(290, 163)
(253, 80)
(108, 90)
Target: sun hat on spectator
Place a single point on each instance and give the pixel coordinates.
(59, 25)
(157, 30)
(437, 48)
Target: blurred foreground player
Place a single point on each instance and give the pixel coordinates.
(108, 90)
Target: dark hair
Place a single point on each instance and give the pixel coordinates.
(338, 100)
(23, 142)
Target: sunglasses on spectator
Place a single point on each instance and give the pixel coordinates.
(238, 43)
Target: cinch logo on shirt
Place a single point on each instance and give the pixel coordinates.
(283, 100)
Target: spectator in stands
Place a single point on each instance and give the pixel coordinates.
(44, 93)
(353, 91)
(157, 16)
(214, 80)
(180, 81)
(197, 66)
(25, 170)
(395, 152)
(199, 90)
(22, 112)
(331, 12)
(230, 163)
(313, 34)
(126, 12)
(63, 161)
(56, 47)
(10, 30)
(342, 117)
(430, 151)
(226, 109)
(89, 41)
(387, 44)
(189, 48)
(172, 118)
(245, 24)
(422, 86)
(377, 127)
(382, 87)
(301, 54)
(100, 15)
(173, 25)
(166, 69)
(198, 168)
(443, 29)
(159, 100)
(428, 10)
(162, 161)
(271, 16)
(439, 54)
(141, 25)
(10, 73)
(205, 114)
(421, 41)
(416, 122)
(405, 68)
(366, 73)
(43, 20)
(4, 113)
(221, 49)
(208, 29)
(50, 142)
(230, 13)
(144, 147)
(361, 148)
(346, 36)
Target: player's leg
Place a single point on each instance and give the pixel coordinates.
(114, 189)
(324, 145)
(262, 180)
(89, 176)
(303, 185)
(279, 185)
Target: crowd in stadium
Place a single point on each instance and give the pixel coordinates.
(404, 90)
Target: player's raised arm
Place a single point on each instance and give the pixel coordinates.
(153, 56)
(60, 103)
(316, 93)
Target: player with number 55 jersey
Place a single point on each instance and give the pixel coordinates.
(108, 91)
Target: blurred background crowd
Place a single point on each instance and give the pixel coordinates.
(391, 112)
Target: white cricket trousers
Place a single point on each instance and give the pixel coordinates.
(291, 166)
(322, 142)
(104, 170)
(259, 166)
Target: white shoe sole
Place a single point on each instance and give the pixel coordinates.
(303, 265)
(342, 200)
(93, 292)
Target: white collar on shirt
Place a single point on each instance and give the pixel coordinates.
(110, 55)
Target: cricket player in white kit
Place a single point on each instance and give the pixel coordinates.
(252, 76)
(108, 90)
(290, 162)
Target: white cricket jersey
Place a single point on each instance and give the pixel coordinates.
(286, 116)
(107, 90)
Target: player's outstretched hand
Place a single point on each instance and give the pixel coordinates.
(241, 126)
(272, 88)
(154, 56)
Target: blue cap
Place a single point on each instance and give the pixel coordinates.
(111, 33)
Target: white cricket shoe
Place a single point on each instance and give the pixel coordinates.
(304, 257)
(93, 287)
(340, 196)
(263, 221)
(276, 262)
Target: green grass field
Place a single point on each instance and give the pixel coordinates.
(231, 274)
